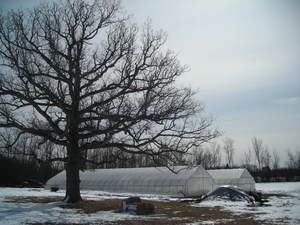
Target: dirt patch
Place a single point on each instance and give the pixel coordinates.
(33, 199)
(166, 212)
(278, 195)
(91, 206)
(86, 206)
(103, 223)
(186, 213)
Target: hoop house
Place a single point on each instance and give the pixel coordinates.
(235, 177)
(187, 181)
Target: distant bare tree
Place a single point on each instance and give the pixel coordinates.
(207, 157)
(275, 159)
(228, 146)
(215, 149)
(247, 159)
(80, 75)
(258, 148)
(7, 141)
(293, 160)
(265, 157)
(27, 147)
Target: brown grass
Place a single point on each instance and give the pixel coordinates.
(91, 206)
(33, 199)
(166, 212)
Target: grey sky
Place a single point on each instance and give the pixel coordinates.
(244, 58)
(245, 61)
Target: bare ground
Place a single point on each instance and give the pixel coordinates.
(166, 212)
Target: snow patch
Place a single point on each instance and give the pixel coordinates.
(210, 222)
(281, 209)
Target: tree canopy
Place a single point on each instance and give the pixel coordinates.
(83, 76)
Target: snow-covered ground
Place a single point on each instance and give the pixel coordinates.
(285, 208)
(282, 208)
(12, 213)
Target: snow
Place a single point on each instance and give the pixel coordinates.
(210, 222)
(286, 207)
(12, 213)
(284, 187)
(283, 206)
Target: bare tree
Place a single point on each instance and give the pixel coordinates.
(247, 159)
(208, 157)
(81, 76)
(228, 146)
(266, 157)
(215, 150)
(293, 160)
(275, 160)
(258, 148)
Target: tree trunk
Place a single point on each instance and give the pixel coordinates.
(72, 178)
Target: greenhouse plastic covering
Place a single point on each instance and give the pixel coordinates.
(189, 182)
(193, 181)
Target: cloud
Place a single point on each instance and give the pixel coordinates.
(288, 101)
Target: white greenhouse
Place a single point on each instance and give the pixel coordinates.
(188, 181)
(236, 177)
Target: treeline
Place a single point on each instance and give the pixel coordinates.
(30, 161)
(265, 165)
(208, 157)
(26, 161)
(24, 173)
(276, 175)
(212, 155)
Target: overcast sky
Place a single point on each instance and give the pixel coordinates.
(244, 59)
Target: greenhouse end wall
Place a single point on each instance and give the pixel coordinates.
(240, 178)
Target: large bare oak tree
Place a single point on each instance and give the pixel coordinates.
(83, 77)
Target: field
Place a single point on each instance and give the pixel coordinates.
(42, 207)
